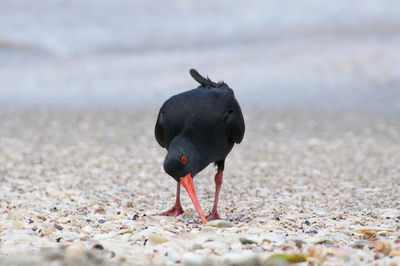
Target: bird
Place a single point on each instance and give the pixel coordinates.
(198, 127)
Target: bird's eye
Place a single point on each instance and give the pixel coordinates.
(183, 159)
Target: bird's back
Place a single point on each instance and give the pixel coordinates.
(201, 110)
(210, 117)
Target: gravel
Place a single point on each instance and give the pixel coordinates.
(85, 187)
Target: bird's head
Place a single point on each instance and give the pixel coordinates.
(182, 164)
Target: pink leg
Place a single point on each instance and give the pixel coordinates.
(218, 182)
(177, 209)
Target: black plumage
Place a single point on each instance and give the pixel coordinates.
(198, 127)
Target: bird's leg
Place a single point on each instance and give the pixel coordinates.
(177, 209)
(218, 182)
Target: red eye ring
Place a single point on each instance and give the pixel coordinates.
(183, 159)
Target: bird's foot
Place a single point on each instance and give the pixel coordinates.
(174, 211)
(213, 216)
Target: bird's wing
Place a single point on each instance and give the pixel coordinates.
(159, 129)
(235, 123)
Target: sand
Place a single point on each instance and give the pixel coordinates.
(84, 187)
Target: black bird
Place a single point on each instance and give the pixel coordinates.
(198, 127)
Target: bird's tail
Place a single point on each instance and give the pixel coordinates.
(206, 82)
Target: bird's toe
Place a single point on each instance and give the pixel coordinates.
(174, 211)
(213, 216)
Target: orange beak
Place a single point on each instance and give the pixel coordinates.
(187, 183)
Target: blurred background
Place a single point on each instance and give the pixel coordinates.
(331, 55)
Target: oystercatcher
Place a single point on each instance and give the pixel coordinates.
(198, 127)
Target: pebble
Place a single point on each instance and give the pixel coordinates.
(156, 239)
(370, 231)
(196, 246)
(208, 229)
(246, 241)
(75, 248)
(88, 229)
(284, 259)
(382, 246)
(361, 244)
(58, 227)
(240, 259)
(324, 241)
(220, 224)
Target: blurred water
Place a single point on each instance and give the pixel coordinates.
(340, 55)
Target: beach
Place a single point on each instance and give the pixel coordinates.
(85, 187)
